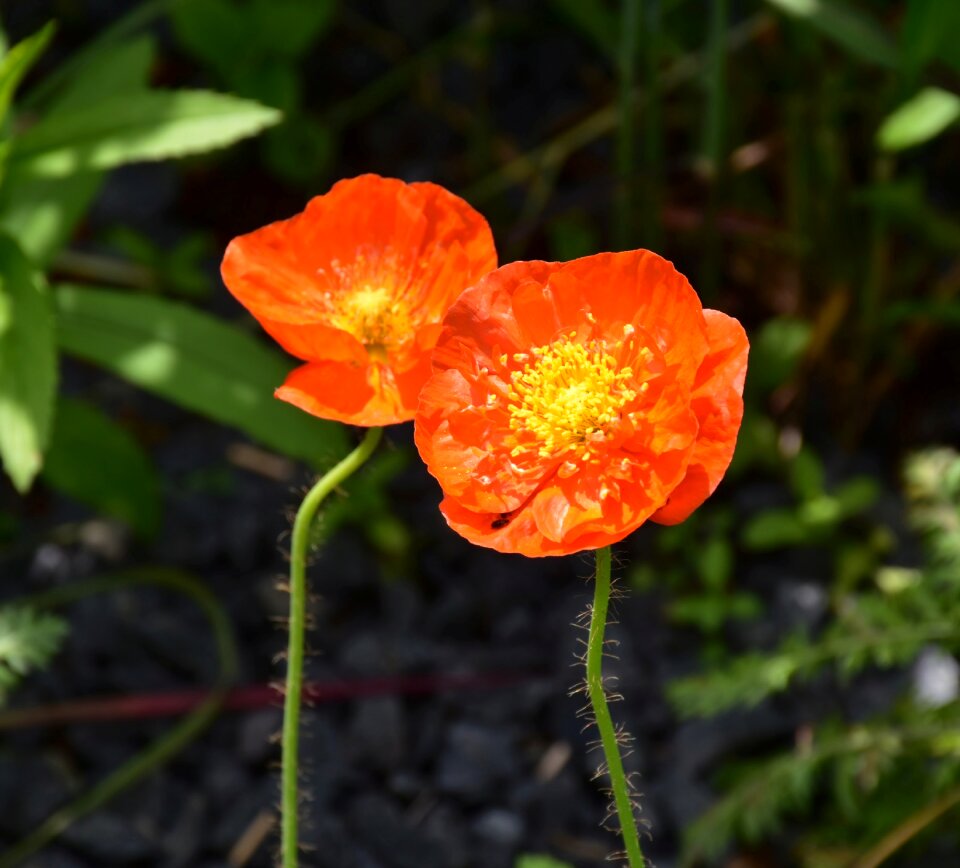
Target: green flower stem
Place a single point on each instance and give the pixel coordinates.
(169, 744)
(598, 699)
(289, 785)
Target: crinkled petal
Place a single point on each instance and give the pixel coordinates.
(717, 401)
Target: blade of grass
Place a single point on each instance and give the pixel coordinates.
(651, 204)
(604, 120)
(713, 145)
(623, 230)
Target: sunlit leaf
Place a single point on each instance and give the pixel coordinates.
(41, 212)
(92, 459)
(28, 366)
(127, 128)
(17, 62)
(195, 360)
(921, 118)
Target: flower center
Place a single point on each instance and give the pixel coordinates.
(569, 395)
(374, 316)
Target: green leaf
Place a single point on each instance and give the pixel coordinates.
(806, 474)
(127, 128)
(41, 212)
(123, 68)
(857, 495)
(289, 28)
(28, 365)
(28, 641)
(906, 201)
(929, 32)
(715, 562)
(17, 62)
(594, 20)
(921, 118)
(776, 351)
(196, 361)
(775, 528)
(530, 860)
(95, 461)
(212, 30)
(846, 26)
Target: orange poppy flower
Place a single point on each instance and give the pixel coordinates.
(356, 286)
(570, 402)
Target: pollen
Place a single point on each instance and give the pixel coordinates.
(569, 397)
(374, 315)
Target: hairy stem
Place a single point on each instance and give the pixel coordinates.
(295, 651)
(598, 699)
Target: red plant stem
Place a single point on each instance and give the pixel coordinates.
(172, 703)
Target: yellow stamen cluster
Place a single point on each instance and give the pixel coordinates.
(568, 394)
(374, 316)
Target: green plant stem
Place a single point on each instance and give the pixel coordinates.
(169, 744)
(909, 828)
(626, 148)
(289, 801)
(598, 699)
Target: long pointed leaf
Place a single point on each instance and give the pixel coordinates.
(196, 361)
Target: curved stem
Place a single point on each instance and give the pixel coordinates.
(299, 547)
(598, 699)
(168, 744)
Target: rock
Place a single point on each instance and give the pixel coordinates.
(257, 740)
(378, 823)
(936, 678)
(499, 828)
(377, 732)
(476, 761)
(108, 839)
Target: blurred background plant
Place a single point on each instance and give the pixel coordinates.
(794, 158)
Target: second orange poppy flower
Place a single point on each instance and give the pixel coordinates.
(573, 401)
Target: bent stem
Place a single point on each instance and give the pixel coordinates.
(298, 616)
(598, 699)
(167, 745)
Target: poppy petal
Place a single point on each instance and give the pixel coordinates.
(717, 400)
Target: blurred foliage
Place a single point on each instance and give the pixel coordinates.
(28, 641)
(256, 48)
(93, 113)
(538, 861)
(863, 765)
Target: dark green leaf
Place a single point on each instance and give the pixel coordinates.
(122, 68)
(95, 461)
(846, 26)
(929, 31)
(774, 528)
(195, 360)
(594, 20)
(28, 365)
(775, 352)
(213, 31)
(806, 474)
(289, 28)
(126, 128)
